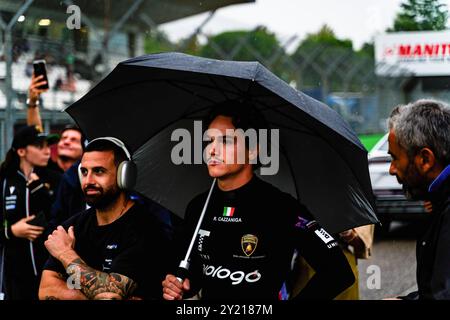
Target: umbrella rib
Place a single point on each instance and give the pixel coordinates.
(292, 171)
(221, 90)
(189, 91)
(298, 122)
(173, 83)
(202, 85)
(187, 115)
(200, 110)
(234, 86)
(307, 132)
(267, 107)
(246, 94)
(276, 109)
(319, 135)
(217, 87)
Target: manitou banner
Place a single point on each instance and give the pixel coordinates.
(424, 53)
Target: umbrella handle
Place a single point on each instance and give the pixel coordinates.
(184, 264)
(182, 271)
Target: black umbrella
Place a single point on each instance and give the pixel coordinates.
(144, 99)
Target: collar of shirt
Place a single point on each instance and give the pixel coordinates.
(439, 181)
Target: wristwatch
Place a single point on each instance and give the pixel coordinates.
(34, 105)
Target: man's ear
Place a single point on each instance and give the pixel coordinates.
(425, 160)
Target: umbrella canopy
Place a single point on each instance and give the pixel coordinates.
(143, 100)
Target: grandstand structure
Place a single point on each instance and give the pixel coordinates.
(110, 31)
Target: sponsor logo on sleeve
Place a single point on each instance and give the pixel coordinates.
(302, 223)
(323, 235)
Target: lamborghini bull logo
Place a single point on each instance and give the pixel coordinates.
(248, 244)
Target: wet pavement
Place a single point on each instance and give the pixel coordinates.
(392, 269)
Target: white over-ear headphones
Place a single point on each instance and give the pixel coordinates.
(126, 171)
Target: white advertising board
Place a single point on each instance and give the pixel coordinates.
(424, 53)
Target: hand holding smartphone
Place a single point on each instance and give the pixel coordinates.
(40, 69)
(40, 220)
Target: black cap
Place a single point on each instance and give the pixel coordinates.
(30, 135)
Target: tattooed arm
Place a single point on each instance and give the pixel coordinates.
(93, 284)
(97, 285)
(54, 287)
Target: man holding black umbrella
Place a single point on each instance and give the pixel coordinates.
(185, 88)
(245, 244)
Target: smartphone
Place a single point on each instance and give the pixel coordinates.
(40, 220)
(40, 69)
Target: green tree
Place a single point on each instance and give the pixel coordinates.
(241, 45)
(420, 15)
(367, 50)
(255, 45)
(157, 41)
(322, 60)
(325, 36)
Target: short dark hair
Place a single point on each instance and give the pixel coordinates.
(74, 127)
(105, 145)
(244, 115)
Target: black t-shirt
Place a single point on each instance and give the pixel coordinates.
(245, 245)
(134, 246)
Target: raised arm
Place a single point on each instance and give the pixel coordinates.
(33, 113)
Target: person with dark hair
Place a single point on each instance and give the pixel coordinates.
(116, 249)
(25, 206)
(247, 239)
(419, 143)
(70, 146)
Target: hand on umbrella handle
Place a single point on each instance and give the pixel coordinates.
(181, 274)
(173, 289)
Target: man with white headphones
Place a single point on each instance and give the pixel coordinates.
(104, 251)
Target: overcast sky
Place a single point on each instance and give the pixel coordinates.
(358, 20)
